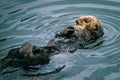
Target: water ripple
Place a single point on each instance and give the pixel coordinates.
(37, 21)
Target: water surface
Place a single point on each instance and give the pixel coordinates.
(36, 21)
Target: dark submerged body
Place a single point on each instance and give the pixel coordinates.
(67, 40)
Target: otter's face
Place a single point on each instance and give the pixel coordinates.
(87, 27)
(90, 23)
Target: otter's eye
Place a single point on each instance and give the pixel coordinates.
(86, 21)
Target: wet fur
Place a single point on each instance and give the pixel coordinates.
(87, 30)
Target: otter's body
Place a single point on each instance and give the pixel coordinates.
(87, 30)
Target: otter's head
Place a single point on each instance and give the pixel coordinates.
(90, 24)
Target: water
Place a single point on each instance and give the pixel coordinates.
(36, 21)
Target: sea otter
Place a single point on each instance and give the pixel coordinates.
(87, 30)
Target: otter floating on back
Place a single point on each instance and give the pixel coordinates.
(87, 30)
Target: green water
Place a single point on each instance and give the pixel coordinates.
(36, 21)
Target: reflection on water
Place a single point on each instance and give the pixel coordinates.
(36, 21)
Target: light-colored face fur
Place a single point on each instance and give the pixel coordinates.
(88, 22)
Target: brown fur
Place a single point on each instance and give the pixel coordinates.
(88, 22)
(89, 27)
